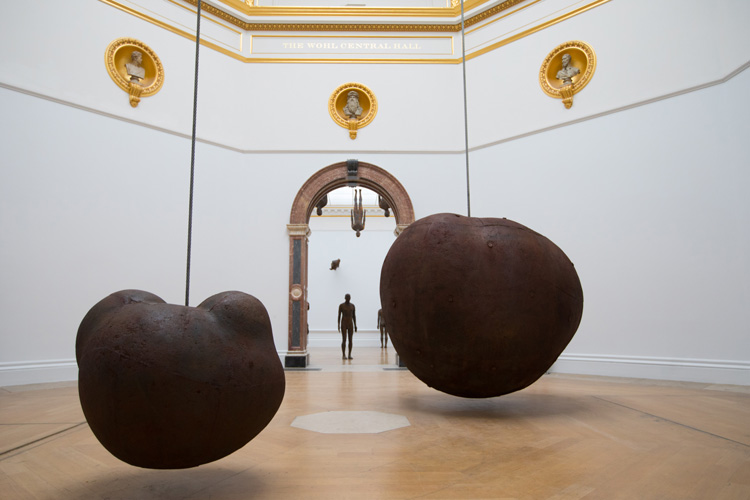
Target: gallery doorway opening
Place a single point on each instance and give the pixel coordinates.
(314, 192)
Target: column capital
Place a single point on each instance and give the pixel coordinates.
(400, 228)
(298, 229)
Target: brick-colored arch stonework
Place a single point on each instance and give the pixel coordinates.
(335, 176)
(347, 173)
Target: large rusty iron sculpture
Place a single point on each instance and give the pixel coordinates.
(478, 307)
(166, 387)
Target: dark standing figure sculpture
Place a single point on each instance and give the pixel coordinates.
(347, 324)
(358, 214)
(383, 331)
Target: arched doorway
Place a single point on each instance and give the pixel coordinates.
(347, 173)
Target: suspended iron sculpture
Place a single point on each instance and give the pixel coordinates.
(167, 387)
(358, 214)
(478, 307)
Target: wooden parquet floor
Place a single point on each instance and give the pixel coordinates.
(565, 437)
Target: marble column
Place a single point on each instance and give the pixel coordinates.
(297, 356)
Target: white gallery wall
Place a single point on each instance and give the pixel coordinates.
(358, 275)
(655, 222)
(642, 182)
(83, 217)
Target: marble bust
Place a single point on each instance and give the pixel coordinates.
(134, 68)
(352, 108)
(568, 71)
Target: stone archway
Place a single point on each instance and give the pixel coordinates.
(348, 173)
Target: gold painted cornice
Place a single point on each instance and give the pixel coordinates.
(357, 27)
(540, 27)
(247, 7)
(431, 28)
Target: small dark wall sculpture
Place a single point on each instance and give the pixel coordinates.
(382, 203)
(164, 386)
(321, 205)
(478, 307)
(335, 264)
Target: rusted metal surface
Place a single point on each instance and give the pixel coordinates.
(167, 387)
(478, 307)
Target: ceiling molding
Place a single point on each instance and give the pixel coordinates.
(250, 32)
(453, 27)
(248, 8)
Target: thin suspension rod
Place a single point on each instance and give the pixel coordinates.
(192, 157)
(466, 112)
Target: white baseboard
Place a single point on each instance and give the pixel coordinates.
(713, 371)
(362, 338)
(38, 372)
(710, 371)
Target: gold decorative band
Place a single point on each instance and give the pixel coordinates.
(356, 27)
(432, 28)
(253, 8)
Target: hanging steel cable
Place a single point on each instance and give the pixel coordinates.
(192, 155)
(466, 113)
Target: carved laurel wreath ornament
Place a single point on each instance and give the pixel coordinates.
(367, 101)
(582, 57)
(119, 53)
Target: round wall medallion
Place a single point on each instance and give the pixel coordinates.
(353, 105)
(567, 69)
(132, 64)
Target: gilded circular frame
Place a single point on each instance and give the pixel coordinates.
(582, 56)
(367, 101)
(118, 53)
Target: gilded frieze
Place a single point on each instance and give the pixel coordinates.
(356, 27)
